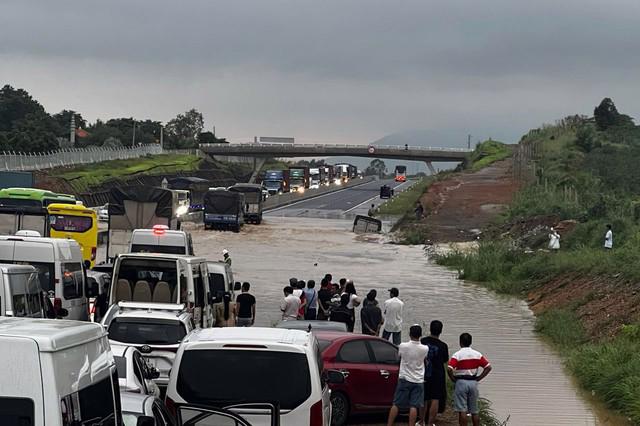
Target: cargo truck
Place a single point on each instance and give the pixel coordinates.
(223, 209)
(252, 201)
(315, 177)
(298, 178)
(276, 181)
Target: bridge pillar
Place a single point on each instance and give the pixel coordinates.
(258, 162)
(430, 167)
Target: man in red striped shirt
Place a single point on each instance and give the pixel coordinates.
(463, 371)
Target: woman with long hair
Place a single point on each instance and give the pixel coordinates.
(354, 301)
(226, 312)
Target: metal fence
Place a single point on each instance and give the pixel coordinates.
(11, 161)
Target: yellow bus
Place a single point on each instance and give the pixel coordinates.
(76, 222)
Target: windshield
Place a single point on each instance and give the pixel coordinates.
(200, 384)
(144, 331)
(272, 184)
(25, 295)
(156, 248)
(19, 202)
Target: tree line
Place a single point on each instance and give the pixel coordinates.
(26, 126)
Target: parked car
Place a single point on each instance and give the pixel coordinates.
(155, 329)
(134, 374)
(136, 406)
(313, 325)
(223, 366)
(370, 367)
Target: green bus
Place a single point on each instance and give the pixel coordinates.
(26, 209)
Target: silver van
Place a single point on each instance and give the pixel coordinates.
(20, 294)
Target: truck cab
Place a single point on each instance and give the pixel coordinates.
(252, 201)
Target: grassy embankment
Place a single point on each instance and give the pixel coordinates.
(83, 177)
(590, 176)
(411, 231)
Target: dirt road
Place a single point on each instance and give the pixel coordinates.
(457, 208)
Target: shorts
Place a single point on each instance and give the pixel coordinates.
(409, 394)
(465, 397)
(244, 322)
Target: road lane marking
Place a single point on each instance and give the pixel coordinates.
(373, 198)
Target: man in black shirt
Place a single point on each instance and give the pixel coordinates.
(371, 315)
(324, 300)
(246, 306)
(342, 313)
(435, 386)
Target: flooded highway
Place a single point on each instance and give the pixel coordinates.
(528, 382)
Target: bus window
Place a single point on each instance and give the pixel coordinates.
(8, 223)
(33, 223)
(66, 223)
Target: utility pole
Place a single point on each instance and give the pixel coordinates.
(469, 141)
(133, 140)
(72, 130)
(161, 137)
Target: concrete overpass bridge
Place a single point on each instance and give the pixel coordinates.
(410, 153)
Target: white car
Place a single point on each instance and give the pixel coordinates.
(134, 374)
(136, 406)
(227, 366)
(155, 329)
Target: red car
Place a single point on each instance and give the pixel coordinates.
(370, 368)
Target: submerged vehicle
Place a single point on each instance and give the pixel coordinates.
(224, 209)
(252, 201)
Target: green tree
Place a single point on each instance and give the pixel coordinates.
(35, 133)
(16, 104)
(185, 128)
(606, 116)
(586, 138)
(376, 168)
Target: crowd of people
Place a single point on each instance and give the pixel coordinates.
(338, 302)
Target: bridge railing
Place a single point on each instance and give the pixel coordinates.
(293, 147)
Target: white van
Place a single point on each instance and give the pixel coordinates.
(257, 365)
(163, 278)
(20, 294)
(60, 267)
(56, 373)
(161, 239)
(220, 280)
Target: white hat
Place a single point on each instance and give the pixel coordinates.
(225, 251)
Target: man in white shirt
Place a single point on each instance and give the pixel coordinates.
(392, 311)
(289, 305)
(608, 238)
(410, 389)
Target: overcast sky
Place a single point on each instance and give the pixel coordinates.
(327, 70)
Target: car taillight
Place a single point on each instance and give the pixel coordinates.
(93, 253)
(171, 406)
(316, 414)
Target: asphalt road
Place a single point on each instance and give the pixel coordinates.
(344, 203)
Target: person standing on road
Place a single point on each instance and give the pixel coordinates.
(226, 312)
(463, 371)
(371, 315)
(354, 300)
(372, 211)
(554, 240)
(608, 238)
(410, 388)
(289, 305)
(435, 383)
(342, 313)
(246, 306)
(343, 283)
(311, 295)
(393, 309)
(226, 257)
(419, 210)
(324, 299)
(300, 294)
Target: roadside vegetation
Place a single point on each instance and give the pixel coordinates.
(582, 175)
(486, 153)
(85, 176)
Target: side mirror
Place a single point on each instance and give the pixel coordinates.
(237, 286)
(152, 373)
(334, 377)
(146, 421)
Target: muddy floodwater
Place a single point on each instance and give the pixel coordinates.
(528, 382)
